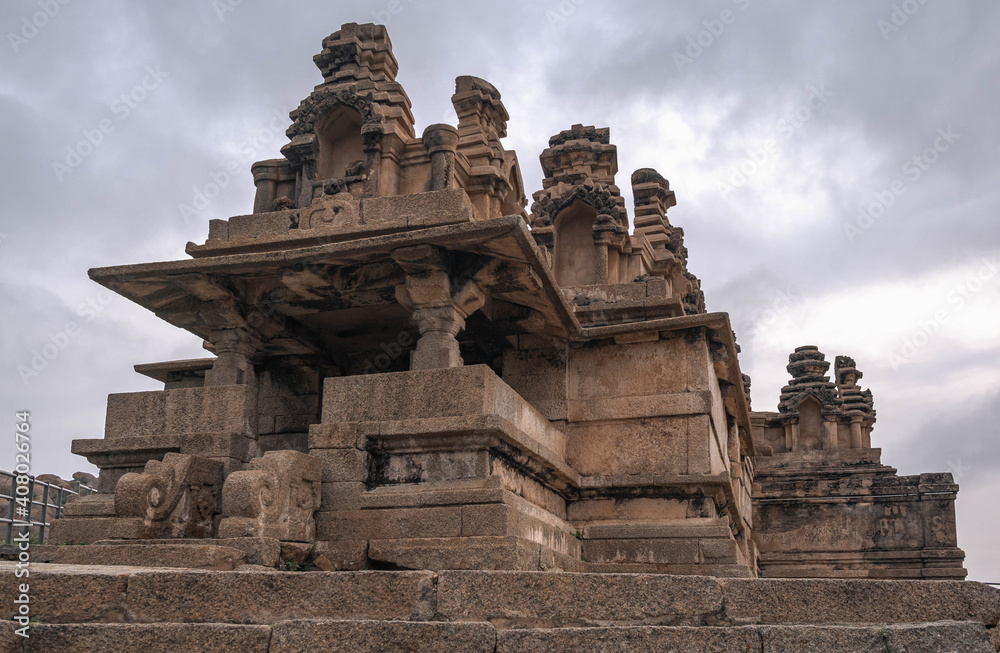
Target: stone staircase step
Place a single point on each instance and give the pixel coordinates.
(264, 551)
(542, 599)
(188, 556)
(254, 595)
(308, 635)
(943, 637)
(148, 638)
(364, 636)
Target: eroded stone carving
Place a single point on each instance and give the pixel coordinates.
(808, 366)
(335, 208)
(277, 497)
(177, 497)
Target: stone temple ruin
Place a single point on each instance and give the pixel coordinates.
(412, 371)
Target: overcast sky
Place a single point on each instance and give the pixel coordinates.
(834, 162)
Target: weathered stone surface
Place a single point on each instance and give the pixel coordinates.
(176, 497)
(265, 597)
(445, 521)
(551, 599)
(73, 530)
(275, 498)
(345, 555)
(10, 641)
(63, 593)
(193, 638)
(94, 505)
(923, 638)
(302, 636)
(186, 410)
(457, 553)
(190, 556)
(259, 550)
(472, 390)
(785, 601)
(649, 639)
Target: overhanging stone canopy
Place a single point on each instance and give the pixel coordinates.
(416, 373)
(338, 299)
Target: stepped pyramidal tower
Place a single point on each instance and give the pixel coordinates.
(412, 369)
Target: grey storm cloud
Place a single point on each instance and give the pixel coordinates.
(779, 125)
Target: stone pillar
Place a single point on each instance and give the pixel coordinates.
(857, 441)
(439, 304)
(830, 432)
(792, 435)
(437, 346)
(441, 142)
(265, 177)
(606, 234)
(234, 349)
(372, 147)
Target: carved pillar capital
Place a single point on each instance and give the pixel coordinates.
(234, 350)
(438, 303)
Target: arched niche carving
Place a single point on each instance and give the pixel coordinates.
(573, 260)
(810, 424)
(338, 136)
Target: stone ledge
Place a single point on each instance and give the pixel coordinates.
(75, 594)
(376, 216)
(926, 638)
(363, 636)
(195, 555)
(259, 550)
(190, 638)
(335, 636)
(269, 596)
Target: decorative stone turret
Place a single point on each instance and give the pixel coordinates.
(580, 209)
(825, 505)
(493, 177)
(858, 403)
(808, 366)
(810, 403)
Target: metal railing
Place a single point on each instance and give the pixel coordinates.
(45, 505)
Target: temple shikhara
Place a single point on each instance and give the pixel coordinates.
(415, 368)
